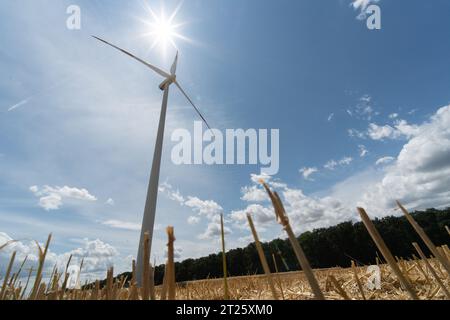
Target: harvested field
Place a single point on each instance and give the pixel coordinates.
(393, 278)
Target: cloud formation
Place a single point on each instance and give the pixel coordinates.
(213, 231)
(124, 225)
(332, 164)
(98, 257)
(51, 198)
(208, 209)
(384, 160)
(253, 194)
(308, 172)
(362, 151)
(421, 175)
(362, 5)
(400, 129)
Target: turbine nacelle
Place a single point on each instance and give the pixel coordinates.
(167, 82)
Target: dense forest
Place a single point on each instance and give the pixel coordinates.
(326, 247)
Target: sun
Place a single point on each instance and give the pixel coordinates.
(163, 30)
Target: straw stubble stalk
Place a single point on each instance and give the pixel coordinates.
(8, 271)
(262, 257)
(51, 278)
(446, 250)
(95, 291)
(284, 221)
(376, 237)
(133, 289)
(109, 284)
(26, 284)
(54, 288)
(358, 282)
(278, 276)
(338, 287)
(433, 272)
(164, 285)
(448, 230)
(442, 259)
(419, 267)
(152, 283)
(224, 260)
(66, 278)
(42, 255)
(19, 271)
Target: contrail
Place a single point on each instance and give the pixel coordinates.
(21, 103)
(38, 94)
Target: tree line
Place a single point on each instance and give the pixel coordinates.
(325, 248)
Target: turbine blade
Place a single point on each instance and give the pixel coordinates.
(157, 70)
(190, 101)
(173, 70)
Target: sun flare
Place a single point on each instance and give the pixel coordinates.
(163, 29)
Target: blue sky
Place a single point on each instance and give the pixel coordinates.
(78, 120)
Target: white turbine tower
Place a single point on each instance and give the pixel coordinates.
(148, 220)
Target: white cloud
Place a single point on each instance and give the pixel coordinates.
(393, 116)
(362, 5)
(247, 239)
(110, 202)
(362, 151)
(406, 129)
(177, 253)
(176, 196)
(356, 134)
(330, 117)
(51, 198)
(256, 178)
(377, 132)
(421, 175)
(97, 255)
(364, 109)
(260, 215)
(308, 172)
(171, 194)
(213, 231)
(306, 212)
(192, 220)
(208, 208)
(345, 161)
(401, 129)
(253, 194)
(51, 202)
(384, 160)
(332, 164)
(125, 225)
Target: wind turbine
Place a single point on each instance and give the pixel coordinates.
(148, 220)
